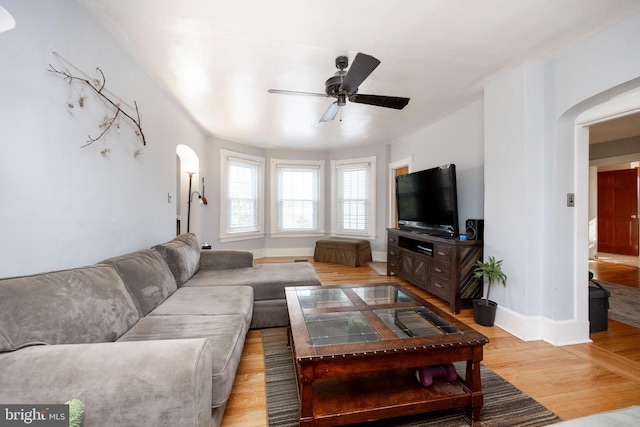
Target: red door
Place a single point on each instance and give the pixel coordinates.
(618, 211)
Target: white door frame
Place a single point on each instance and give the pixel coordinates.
(407, 161)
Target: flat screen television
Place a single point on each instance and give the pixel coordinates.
(428, 201)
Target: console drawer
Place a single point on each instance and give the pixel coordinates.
(393, 260)
(441, 268)
(439, 286)
(442, 253)
(393, 254)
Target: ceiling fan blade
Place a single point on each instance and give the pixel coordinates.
(294, 92)
(331, 112)
(362, 66)
(381, 101)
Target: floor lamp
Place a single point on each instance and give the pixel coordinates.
(200, 196)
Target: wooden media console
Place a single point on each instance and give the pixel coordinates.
(442, 267)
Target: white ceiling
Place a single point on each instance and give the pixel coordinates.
(218, 58)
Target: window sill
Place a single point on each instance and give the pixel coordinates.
(298, 234)
(232, 238)
(355, 236)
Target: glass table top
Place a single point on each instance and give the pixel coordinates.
(415, 322)
(323, 298)
(330, 297)
(340, 328)
(382, 294)
(343, 325)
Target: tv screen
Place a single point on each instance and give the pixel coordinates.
(428, 201)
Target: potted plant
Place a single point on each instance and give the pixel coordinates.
(484, 310)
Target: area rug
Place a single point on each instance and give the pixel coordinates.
(504, 404)
(379, 267)
(623, 303)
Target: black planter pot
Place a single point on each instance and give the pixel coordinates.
(484, 314)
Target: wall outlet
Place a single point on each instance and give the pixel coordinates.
(168, 197)
(571, 200)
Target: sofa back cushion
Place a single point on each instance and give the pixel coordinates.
(146, 276)
(82, 305)
(182, 255)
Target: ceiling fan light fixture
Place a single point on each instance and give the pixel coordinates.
(7, 22)
(344, 85)
(331, 112)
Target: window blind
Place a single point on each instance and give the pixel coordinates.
(353, 198)
(297, 198)
(243, 207)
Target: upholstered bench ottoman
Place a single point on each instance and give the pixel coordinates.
(340, 250)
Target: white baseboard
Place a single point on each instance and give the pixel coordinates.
(280, 252)
(258, 253)
(566, 332)
(533, 328)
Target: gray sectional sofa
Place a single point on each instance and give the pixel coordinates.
(150, 338)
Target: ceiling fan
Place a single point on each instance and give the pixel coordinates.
(344, 85)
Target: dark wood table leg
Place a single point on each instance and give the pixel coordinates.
(305, 382)
(473, 382)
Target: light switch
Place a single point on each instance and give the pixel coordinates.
(571, 202)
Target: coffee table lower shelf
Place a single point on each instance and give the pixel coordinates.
(384, 394)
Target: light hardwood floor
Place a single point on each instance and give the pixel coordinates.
(572, 381)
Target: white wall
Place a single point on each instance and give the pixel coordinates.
(61, 205)
(458, 138)
(549, 260)
(593, 72)
(514, 168)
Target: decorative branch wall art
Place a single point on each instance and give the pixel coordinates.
(110, 120)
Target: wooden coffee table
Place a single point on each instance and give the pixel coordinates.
(354, 347)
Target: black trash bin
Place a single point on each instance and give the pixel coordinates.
(598, 308)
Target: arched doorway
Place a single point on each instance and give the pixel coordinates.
(619, 103)
(602, 117)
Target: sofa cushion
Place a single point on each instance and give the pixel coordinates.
(82, 305)
(152, 383)
(268, 280)
(209, 300)
(182, 255)
(146, 276)
(5, 345)
(224, 259)
(226, 333)
(190, 239)
(271, 313)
